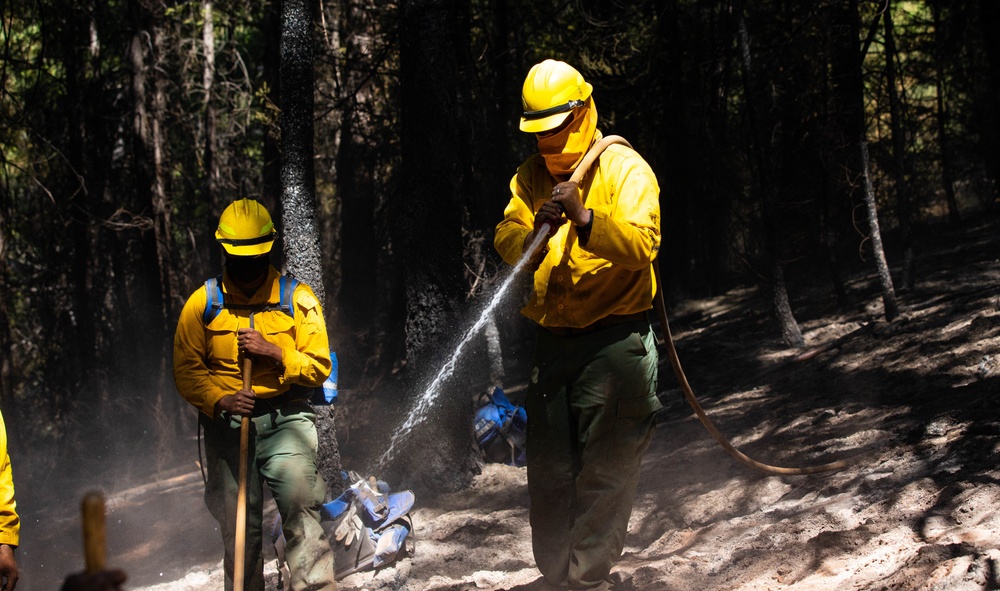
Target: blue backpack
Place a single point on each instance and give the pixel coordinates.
(501, 429)
(326, 394)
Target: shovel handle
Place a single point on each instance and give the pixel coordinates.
(94, 532)
(241, 497)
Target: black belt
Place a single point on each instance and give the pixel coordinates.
(263, 406)
(612, 320)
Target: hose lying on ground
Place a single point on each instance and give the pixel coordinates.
(675, 362)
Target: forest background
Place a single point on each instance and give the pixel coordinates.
(794, 143)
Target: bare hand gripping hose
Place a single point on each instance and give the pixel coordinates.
(675, 362)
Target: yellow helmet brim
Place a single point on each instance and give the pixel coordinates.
(245, 247)
(544, 124)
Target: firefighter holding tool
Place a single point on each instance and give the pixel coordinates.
(248, 364)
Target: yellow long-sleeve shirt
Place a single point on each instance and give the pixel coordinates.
(576, 285)
(206, 358)
(10, 524)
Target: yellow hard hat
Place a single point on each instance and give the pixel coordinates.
(245, 229)
(551, 90)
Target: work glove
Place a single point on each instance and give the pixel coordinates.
(345, 531)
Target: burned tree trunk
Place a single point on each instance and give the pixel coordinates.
(850, 132)
(298, 173)
(359, 250)
(889, 303)
(947, 175)
(426, 233)
(989, 12)
(298, 181)
(904, 202)
(210, 180)
(775, 285)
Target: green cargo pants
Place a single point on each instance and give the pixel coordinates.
(591, 402)
(282, 453)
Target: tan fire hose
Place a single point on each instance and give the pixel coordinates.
(241, 497)
(675, 363)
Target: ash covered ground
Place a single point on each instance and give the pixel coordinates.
(912, 405)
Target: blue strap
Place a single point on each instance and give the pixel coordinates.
(286, 290)
(214, 302)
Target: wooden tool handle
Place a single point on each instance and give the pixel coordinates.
(94, 532)
(241, 496)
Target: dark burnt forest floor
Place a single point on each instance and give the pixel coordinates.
(911, 405)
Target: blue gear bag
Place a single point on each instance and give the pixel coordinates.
(499, 426)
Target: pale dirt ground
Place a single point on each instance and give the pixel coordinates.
(913, 405)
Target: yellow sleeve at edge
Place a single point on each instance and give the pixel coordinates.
(10, 524)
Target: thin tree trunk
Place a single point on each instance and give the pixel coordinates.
(884, 277)
(6, 342)
(835, 208)
(208, 87)
(848, 93)
(148, 130)
(947, 176)
(903, 198)
(776, 286)
(271, 60)
(359, 249)
(989, 11)
(161, 202)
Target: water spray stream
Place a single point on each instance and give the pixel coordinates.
(425, 401)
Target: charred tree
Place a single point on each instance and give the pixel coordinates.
(989, 16)
(693, 225)
(849, 132)
(904, 201)
(941, 119)
(774, 281)
(426, 232)
(162, 233)
(298, 173)
(6, 340)
(210, 171)
(271, 67)
(298, 181)
(359, 250)
(146, 50)
(891, 307)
